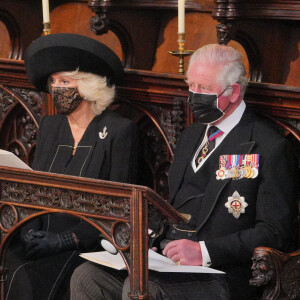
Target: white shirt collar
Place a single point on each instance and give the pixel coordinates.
(232, 120)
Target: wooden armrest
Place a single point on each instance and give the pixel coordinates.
(278, 271)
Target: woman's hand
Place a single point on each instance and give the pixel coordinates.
(42, 243)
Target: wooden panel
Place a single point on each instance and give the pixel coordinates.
(292, 66)
(77, 20)
(24, 22)
(268, 9)
(119, 211)
(5, 45)
(143, 31)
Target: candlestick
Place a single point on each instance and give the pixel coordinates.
(181, 15)
(181, 53)
(46, 15)
(46, 28)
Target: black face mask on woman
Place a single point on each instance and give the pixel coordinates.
(66, 99)
(205, 107)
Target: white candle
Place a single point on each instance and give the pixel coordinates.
(46, 16)
(181, 27)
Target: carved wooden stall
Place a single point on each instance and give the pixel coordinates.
(266, 31)
(157, 103)
(122, 212)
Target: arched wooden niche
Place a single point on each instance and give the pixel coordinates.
(75, 18)
(10, 45)
(5, 45)
(236, 45)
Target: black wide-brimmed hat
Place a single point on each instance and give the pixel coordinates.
(66, 52)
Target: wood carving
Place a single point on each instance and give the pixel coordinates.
(20, 112)
(99, 23)
(119, 211)
(224, 32)
(64, 199)
(279, 272)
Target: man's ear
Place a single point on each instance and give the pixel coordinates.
(236, 93)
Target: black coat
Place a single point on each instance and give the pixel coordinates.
(271, 212)
(106, 151)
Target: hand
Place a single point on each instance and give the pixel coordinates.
(184, 251)
(42, 243)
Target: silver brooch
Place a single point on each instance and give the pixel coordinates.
(103, 134)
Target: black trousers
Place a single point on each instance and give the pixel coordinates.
(91, 281)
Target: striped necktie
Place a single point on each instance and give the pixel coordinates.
(212, 133)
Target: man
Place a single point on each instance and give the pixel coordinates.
(234, 175)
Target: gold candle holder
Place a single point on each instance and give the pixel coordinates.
(46, 28)
(181, 53)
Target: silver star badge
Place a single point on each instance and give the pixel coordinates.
(236, 204)
(103, 134)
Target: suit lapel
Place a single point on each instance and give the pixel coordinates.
(238, 141)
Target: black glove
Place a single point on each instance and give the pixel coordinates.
(42, 243)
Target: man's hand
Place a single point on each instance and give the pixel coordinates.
(185, 252)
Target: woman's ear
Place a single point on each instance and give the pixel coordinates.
(236, 93)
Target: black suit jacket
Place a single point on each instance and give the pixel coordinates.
(268, 219)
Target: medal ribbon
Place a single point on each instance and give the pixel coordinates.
(215, 135)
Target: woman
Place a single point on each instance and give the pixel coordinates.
(83, 139)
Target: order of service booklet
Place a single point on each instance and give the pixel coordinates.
(157, 262)
(8, 159)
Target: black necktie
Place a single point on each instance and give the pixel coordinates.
(212, 133)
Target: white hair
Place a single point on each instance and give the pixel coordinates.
(93, 88)
(228, 60)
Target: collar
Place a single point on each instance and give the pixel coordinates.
(232, 120)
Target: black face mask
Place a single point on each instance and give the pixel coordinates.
(205, 107)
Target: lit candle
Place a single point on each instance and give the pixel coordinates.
(181, 28)
(46, 16)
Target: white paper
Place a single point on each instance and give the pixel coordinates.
(157, 262)
(8, 159)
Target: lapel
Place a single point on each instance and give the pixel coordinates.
(92, 137)
(184, 156)
(238, 141)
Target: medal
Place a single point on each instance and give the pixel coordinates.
(238, 166)
(221, 174)
(236, 204)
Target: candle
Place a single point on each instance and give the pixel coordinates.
(181, 28)
(46, 16)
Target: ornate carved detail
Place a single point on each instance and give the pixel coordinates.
(32, 99)
(8, 217)
(224, 33)
(280, 272)
(99, 23)
(172, 120)
(20, 112)
(178, 119)
(121, 234)
(7, 101)
(64, 199)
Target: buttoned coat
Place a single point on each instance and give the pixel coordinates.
(106, 151)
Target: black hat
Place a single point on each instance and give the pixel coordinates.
(66, 52)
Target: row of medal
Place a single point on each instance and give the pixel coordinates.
(238, 166)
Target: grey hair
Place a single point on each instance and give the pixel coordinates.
(232, 69)
(93, 88)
